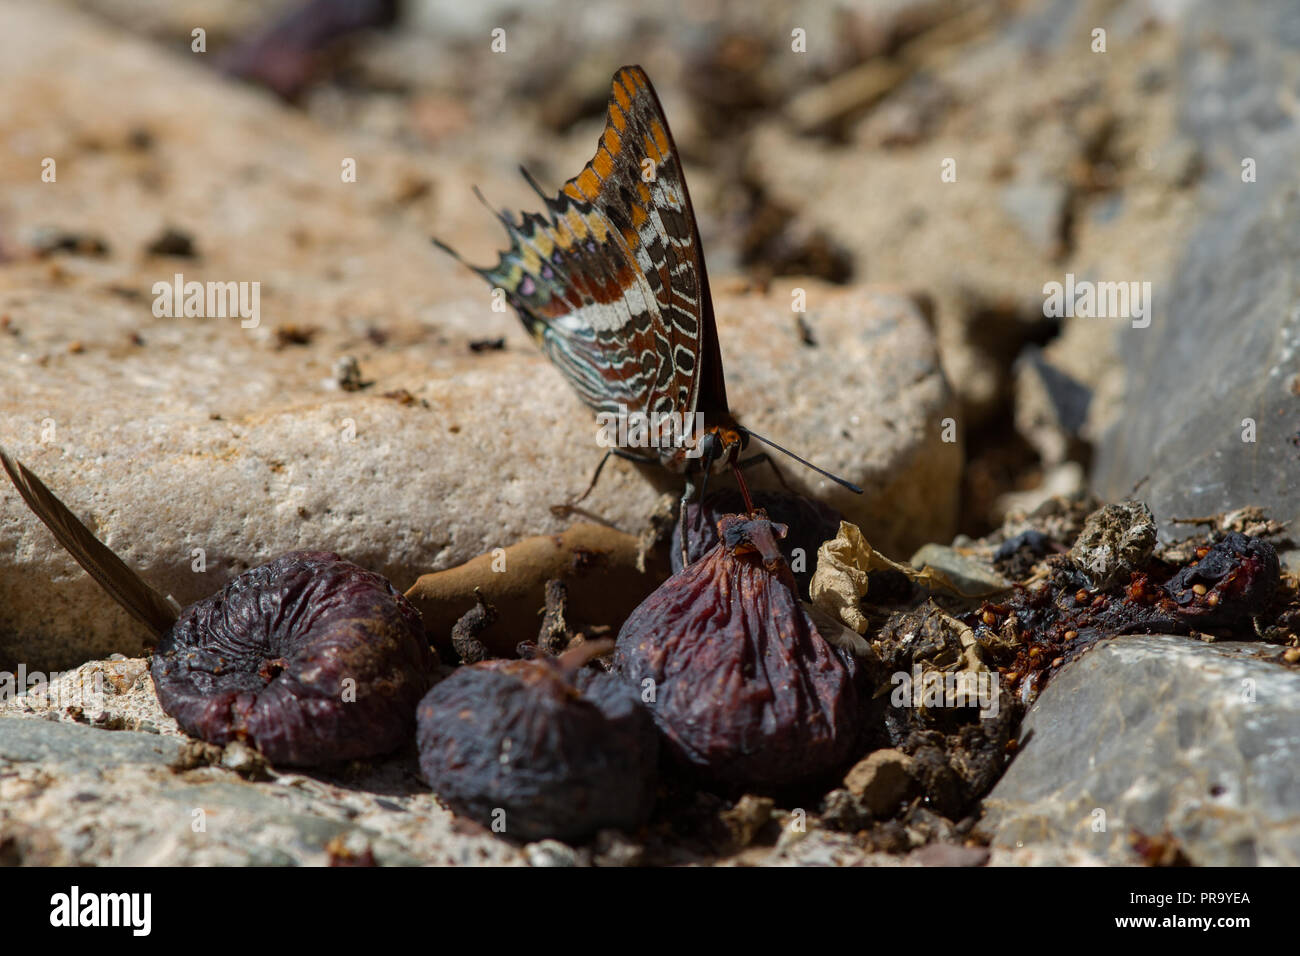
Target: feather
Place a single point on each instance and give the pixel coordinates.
(123, 585)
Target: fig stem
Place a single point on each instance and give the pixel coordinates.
(576, 658)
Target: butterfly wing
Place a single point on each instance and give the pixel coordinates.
(611, 281)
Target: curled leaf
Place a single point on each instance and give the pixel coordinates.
(843, 566)
(835, 633)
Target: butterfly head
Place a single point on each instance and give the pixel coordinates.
(718, 449)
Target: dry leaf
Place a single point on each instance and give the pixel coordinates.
(843, 566)
(840, 580)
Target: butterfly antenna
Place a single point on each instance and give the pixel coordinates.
(150, 607)
(842, 482)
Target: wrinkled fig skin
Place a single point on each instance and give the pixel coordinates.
(809, 524)
(264, 661)
(562, 756)
(746, 692)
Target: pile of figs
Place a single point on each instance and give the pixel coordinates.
(315, 661)
(721, 663)
(719, 677)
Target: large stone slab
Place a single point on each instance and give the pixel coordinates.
(76, 796)
(49, 743)
(1211, 386)
(1166, 736)
(173, 436)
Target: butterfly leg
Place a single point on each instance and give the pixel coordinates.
(759, 459)
(570, 506)
(682, 518)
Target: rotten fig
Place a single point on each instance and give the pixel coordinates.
(741, 685)
(309, 658)
(1232, 579)
(808, 523)
(540, 748)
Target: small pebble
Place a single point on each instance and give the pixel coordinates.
(172, 242)
(550, 853)
(747, 818)
(882, 780)
(615, 848)
(243, 760)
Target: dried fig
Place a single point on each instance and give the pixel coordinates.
(809, 523)
(310, 658)
(745, 690)
(540, 748)
(1236, 577)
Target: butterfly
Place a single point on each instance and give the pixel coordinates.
(610, 283)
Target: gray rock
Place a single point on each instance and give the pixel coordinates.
(1159, 735)
(1211, 383)
(968, 572)
(73, 795)
(1039, 209)
(48, 743)
(1232, 64)
(1051, 407)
